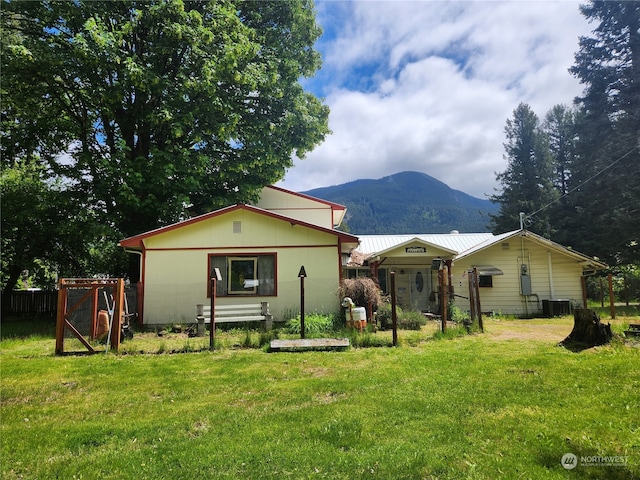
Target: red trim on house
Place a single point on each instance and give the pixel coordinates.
(137, 241)
(248, 255)
(339, 260)
(233, 247)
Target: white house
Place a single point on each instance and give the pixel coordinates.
(520, 272)
(259, 250)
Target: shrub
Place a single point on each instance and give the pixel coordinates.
(407, 319)
(363, 291)
(411, 320)
(457, 315)
(383, 315)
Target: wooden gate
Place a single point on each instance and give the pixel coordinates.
(91, 288)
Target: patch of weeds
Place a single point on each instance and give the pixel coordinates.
(188, 347)
(411, 320)
(457, 315)
(266, 337)
(162, 347)
(248, 341)
(368, 339)
(383, 315)
(313, 323)
(498, 315)
(407, 319)
(450, 333)
(413, 339)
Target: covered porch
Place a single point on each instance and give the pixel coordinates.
(414, 260)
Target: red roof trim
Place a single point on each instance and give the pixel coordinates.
(137, 240)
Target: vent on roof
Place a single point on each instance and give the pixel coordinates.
(454, 232)
(505, 245)
(237, 227)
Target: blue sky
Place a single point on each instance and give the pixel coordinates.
(428, 85)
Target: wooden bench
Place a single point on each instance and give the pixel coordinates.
(634, 330)
(254, 312)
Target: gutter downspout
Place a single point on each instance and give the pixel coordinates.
(551, 292)
(126, 250)
(139, 287)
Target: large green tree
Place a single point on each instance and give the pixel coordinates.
(605, 175)
(46, 231)
(527, 182)
(559, 126)
(152, 111)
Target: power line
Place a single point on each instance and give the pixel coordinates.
(581, 184)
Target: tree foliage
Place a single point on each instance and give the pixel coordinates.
(594, 148)
(157, 110)
(606, 172)
(527, 183)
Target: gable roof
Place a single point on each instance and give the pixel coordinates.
(462, 245)
(333, 205)
(374, 245)
(137, 241)
(585, 260)
(337, 211)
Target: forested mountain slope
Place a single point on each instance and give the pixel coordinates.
(407, 202)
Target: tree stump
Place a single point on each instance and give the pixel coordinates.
(587, 329)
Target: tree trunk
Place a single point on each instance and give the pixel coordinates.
(587, 329)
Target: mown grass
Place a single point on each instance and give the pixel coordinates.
(504, 404)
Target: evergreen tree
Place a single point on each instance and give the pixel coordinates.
(527, 182)
(606, 172)
(560, 128)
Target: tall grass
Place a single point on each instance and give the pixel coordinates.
(473, 406)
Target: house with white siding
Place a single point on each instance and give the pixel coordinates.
(521, 273)
(259, 250)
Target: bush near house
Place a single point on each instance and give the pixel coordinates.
(362, 290)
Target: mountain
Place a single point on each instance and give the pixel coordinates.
(407, 202)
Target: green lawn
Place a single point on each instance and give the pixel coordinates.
(505, 404)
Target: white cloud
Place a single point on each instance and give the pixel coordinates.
(428, 86)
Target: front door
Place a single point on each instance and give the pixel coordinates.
(420, 288)
(413, 287)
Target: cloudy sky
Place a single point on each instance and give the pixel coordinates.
(428, 85)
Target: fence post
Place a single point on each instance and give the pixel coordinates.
(62, 307)
(394, 316)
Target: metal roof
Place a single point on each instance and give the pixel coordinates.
(461, 245)
(454, 242)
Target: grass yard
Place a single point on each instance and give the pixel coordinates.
(505, 404)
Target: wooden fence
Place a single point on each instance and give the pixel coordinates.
(33, 303)
(30, 303)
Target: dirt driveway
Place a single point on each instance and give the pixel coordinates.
(549, 329)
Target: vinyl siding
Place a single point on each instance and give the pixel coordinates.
(504, 297)
(176, 262)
